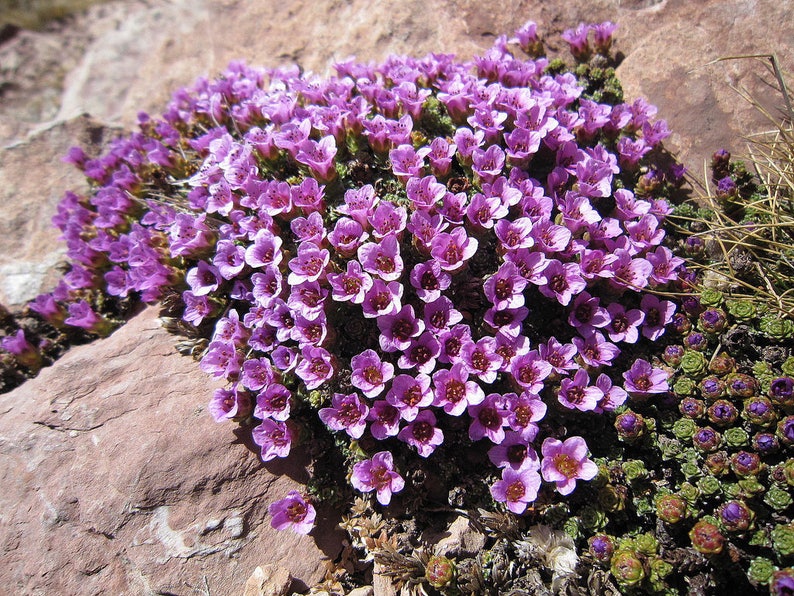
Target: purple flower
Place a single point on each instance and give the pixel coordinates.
(256, 373)
(658, 313)
(514, 234)
(559, 356)
(307, 229)
(566, 462)
(624, 325)
(488, 419)
(377, 474)
(398, 330)
(316, 366)
(596, 351)
(409, 394)
(422, 353)
(665, 265)
(382, 298)
(347, 236)
(454, 392)
(385, 419)
(319, 156)
(561, 281)
(514, 452)
(274, 402)
(370, 374)
(292, 513)
(308, 195)
(407, 162)
(274, 438)
(642, 379)
(517, 488)
(347, 413)
(265, 250)
(309, 265)
(577, 394)
(82, 315)
(425, 192)
(452, 250)
(523, 411)
(586, 315)
(504, 289)
(422, 433)
(388, 219)
(577, 40)
(481, 359)
(382, 259)
(614, 396)
(529, 370)
(229, 259)
(227, 404)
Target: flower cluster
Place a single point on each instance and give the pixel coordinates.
(393, 247)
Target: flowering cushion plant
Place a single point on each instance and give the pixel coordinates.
(403, 250)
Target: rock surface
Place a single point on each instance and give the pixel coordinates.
(115, 480)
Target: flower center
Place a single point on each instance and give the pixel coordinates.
(516, 453)
(515, 491)
(565, 464)
(423, 432)
(297, 511)
(455, 391)
(373, 375)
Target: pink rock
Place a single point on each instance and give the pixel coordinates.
(117, 481)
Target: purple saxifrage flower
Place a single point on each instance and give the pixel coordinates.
(293, 512)
(378, 474)
(566, 462)
(517, 488)
(643, 379)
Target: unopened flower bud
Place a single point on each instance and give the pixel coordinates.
(765, 443)
(717, 463)
(741, 385)
(698, 342)
(601, 547)
(759, 411)
(735, 516)
(785, 430)
(671, 508)
(692, 408)
(630, 425)
(627, 568)
(782, 583)
(722, 364)
(706, 439)
(720, 164)
(672, 355)
(440, 571)
(781, 391)
(712, 387)
(706, 538)
(722, 413)
(745, 464)
(681, 323)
